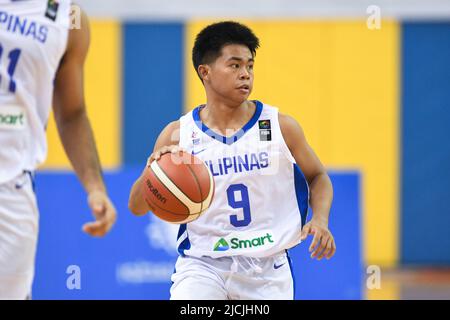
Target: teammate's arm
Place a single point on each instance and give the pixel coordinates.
(75, 130)
(323, 244)
(167, 141)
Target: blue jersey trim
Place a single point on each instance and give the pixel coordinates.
(186, 244)
(235, 137)
(292, 272)
(32, 179)
(302, 192)
(174, 271)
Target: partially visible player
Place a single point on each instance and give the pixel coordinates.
(238, 248)
(41, 61)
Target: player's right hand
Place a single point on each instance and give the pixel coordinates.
(323, 244)
(104, 212)
(159, 152)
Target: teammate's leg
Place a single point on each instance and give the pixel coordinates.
(18, 237)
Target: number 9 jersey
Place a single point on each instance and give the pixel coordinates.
(33, 39)
(261, 195)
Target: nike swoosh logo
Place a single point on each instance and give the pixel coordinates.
(194, 153)
(275, 266)
(20, 185)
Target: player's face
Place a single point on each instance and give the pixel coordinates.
(231, 75)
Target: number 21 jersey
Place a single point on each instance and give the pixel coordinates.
(33, 39)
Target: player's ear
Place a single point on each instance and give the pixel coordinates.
(203, 71)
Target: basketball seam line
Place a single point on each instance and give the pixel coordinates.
(181, 191)
(179, 188)
(198, 186)
(178, 214)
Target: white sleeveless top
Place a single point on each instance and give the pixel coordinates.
(33, 39)
(261, 197)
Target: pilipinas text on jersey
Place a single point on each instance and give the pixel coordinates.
(261, 196)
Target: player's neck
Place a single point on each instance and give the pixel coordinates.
(226, 118)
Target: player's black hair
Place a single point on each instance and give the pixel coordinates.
(210, 41)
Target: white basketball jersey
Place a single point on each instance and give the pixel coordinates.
(33, 39)
(261, 196)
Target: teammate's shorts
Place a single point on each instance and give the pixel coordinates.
(19, 219)
(233, 278)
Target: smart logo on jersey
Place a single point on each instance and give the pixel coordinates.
(265, 132)
(12, 118)
(52, 9)
(251, 242)
(221, 245)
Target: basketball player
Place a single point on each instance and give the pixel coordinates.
(41, 59)
(237, 249)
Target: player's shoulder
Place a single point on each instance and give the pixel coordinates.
(283, 119)
(173, 126)
(286, 122)
(289, 122)
(290, 129)
(187, 118)
(170, 134)
(79, 39)
(265, 111)
(286, 119)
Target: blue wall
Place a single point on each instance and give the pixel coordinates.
(153, 87)
(342, 276)
(136, 260)
(425, 162)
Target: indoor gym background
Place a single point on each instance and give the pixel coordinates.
(374, 104)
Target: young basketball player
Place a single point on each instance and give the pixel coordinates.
(238, 248)
(40, 60)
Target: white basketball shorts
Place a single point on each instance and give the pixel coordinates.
(18, 237)
(233, 278)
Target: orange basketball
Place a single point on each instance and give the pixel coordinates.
(178, 188)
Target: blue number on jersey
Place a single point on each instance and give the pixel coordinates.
(244, 203)
(13, 59)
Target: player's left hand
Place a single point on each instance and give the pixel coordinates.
(323, 242)
(104, 213)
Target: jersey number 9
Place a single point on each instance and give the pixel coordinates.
(242, 202)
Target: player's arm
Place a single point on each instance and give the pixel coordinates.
(323, 244)
(75, 130)
(167, 141)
